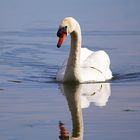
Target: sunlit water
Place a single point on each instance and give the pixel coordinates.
(31, 101)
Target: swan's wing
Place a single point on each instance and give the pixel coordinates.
(100, 61)
(84, 54)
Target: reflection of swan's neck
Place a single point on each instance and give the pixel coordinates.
(77, 117)
(72, 72)
(72, 93)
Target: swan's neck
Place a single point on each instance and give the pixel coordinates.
(72, 72)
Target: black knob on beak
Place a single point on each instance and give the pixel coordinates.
(59, 32)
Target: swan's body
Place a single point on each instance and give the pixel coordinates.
(83, 65)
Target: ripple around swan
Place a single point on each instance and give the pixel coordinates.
(27, 53)
(46, 75)
(127, 77)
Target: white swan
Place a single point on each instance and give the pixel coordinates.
(83, 65)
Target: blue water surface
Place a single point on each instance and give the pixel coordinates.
(31, 101)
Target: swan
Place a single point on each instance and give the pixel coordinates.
(82, 65)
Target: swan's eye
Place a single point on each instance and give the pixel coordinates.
(65, 29)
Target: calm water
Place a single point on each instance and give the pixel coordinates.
(32, 103)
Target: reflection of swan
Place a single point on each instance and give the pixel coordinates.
(79, 96)
(97, 93)
(83, 65)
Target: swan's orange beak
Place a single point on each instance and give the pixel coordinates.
(61, 39)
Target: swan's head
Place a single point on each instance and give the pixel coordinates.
(67, 26)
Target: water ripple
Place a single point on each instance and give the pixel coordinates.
(24, 54)
(128, 77)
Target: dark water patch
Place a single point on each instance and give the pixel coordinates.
(130, 110)
(1, 89)
(40, 79)
(15, 81)
(51, 80)
(128, 77)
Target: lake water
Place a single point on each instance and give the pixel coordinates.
(32, 103)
